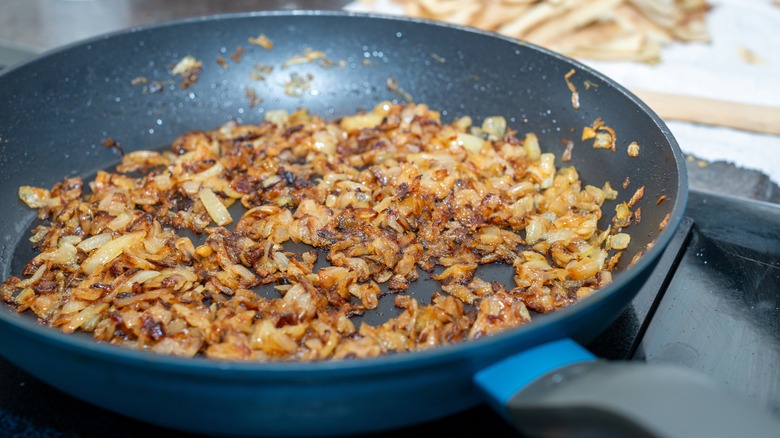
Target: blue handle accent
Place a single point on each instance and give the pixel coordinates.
(504, 379)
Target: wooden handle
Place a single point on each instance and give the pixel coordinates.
(756, 118)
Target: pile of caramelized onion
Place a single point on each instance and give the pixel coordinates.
(384, 197)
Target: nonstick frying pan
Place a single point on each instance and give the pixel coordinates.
(57, 109)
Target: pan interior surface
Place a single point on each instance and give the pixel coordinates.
(62, 106)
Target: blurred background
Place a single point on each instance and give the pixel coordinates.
(30, 27)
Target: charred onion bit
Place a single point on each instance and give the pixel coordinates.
(603, 136)
(383, 197)
(189, 69)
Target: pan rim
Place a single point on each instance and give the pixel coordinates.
(413, 359)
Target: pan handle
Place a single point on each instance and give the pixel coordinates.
(561, 389)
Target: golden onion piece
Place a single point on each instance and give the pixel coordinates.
(494, 127)
(216, 209)
(34, 197)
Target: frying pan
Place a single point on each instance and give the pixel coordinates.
(58, 108)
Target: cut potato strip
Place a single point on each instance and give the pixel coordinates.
(631, 30)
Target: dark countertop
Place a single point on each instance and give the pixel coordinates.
(726, 178)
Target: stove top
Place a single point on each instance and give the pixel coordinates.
(712, 304)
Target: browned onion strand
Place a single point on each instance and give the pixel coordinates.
(382, 193)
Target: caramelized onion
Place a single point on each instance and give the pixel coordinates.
(383, 197)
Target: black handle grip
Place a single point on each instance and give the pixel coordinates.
(624, 399)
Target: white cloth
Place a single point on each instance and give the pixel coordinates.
(715, 70)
